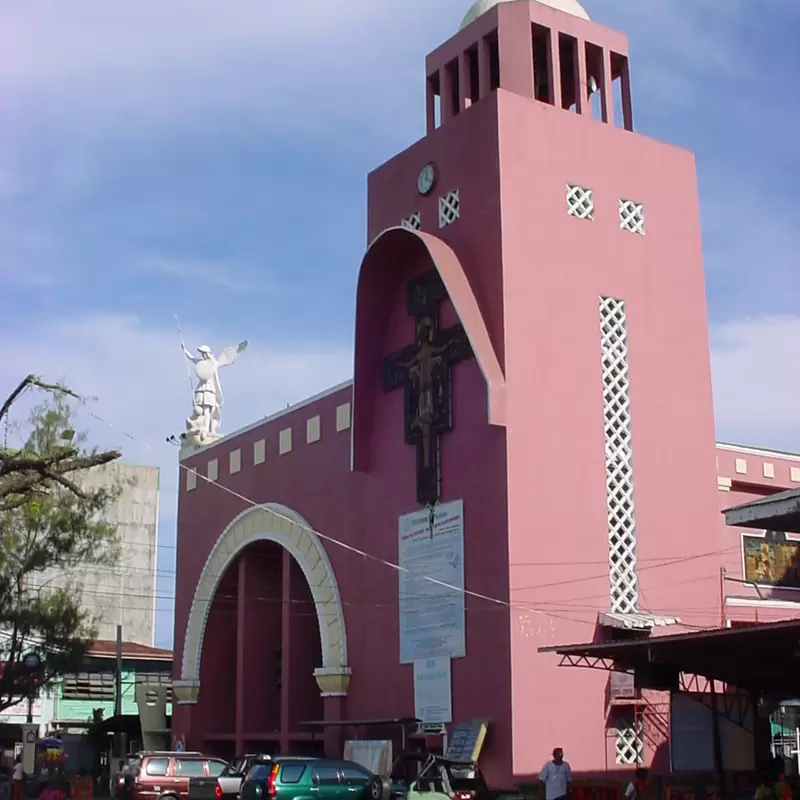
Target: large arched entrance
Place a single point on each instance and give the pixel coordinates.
(265, 645)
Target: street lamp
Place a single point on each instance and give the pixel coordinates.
(32, 664)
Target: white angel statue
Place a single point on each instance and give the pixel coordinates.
(203, 425)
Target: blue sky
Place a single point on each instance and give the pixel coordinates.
(208, 159)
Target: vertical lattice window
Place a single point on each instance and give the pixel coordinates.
(629, 745)
(624, 587)
(449, 208)
(580, 202)
(631, 216)
(413, 221)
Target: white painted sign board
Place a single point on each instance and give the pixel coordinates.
(432, 623)
(433, 695)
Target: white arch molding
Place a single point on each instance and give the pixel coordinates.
(270, 522)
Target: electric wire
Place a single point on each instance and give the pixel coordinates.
(498, 602)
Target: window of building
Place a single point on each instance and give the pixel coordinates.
(89, 686)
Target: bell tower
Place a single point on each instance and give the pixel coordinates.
(580, 240)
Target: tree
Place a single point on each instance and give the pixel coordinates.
(51, 524)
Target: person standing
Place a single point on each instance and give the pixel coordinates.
(556, 776)
(17, 776)
(637, 788)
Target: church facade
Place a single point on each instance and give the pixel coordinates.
(525, 456)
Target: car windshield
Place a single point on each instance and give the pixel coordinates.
(465, 777)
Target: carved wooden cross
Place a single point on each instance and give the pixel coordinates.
(423, 370)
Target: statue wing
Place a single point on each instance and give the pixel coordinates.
(230, 354)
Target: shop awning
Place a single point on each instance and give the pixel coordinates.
(762, 658)
(776, 512)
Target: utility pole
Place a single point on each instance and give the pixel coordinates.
(118, 698)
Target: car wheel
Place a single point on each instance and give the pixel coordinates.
(379, 788)
(375, 789)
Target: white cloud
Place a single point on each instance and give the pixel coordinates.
(134, 66)
(204, 274)
(757, 381)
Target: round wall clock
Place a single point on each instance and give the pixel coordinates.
(427, 179)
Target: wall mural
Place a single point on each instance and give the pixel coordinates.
(771, 560)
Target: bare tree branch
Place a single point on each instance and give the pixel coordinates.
(32, 380)
(21, 484)
(22, 475)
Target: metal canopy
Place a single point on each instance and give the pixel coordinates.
(764, 658)
(776, 512)
(360, 723)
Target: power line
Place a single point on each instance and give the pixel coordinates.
(399, 568)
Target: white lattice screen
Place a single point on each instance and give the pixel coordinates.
(449, 208)
(629, 742)
(580, 202)
(624, 587)
(413, 221)
(631, 216)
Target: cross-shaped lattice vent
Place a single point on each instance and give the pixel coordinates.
(631, 216)
(449, 208)
(580, 202)
(629, 747)
(413, 221)
(624, 585)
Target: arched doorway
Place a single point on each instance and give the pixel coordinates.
(265, 645)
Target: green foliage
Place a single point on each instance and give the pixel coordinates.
(53, 532)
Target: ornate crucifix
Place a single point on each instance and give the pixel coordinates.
(423, 370)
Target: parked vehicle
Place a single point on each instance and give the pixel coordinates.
(217, 784)
(168, 775)
(296, 778)
(442, 778)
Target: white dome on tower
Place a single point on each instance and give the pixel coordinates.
(480, 7)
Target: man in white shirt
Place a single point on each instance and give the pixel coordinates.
(555, 776)
(17, 777)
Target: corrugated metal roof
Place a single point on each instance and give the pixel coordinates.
(635, 622)
(780, 512)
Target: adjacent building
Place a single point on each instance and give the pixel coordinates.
(124, 594)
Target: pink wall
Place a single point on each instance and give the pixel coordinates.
(305, 702)
(393, 195)
(262, 639)
(362, 509)
(555, 268)
(217, 712)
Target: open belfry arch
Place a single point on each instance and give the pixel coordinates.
(274, 523)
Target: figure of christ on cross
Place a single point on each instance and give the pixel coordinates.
(423, 370)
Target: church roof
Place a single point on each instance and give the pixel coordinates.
(480, 7)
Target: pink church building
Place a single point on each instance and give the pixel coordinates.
(525, 456)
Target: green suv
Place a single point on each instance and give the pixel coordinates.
(312, 779)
